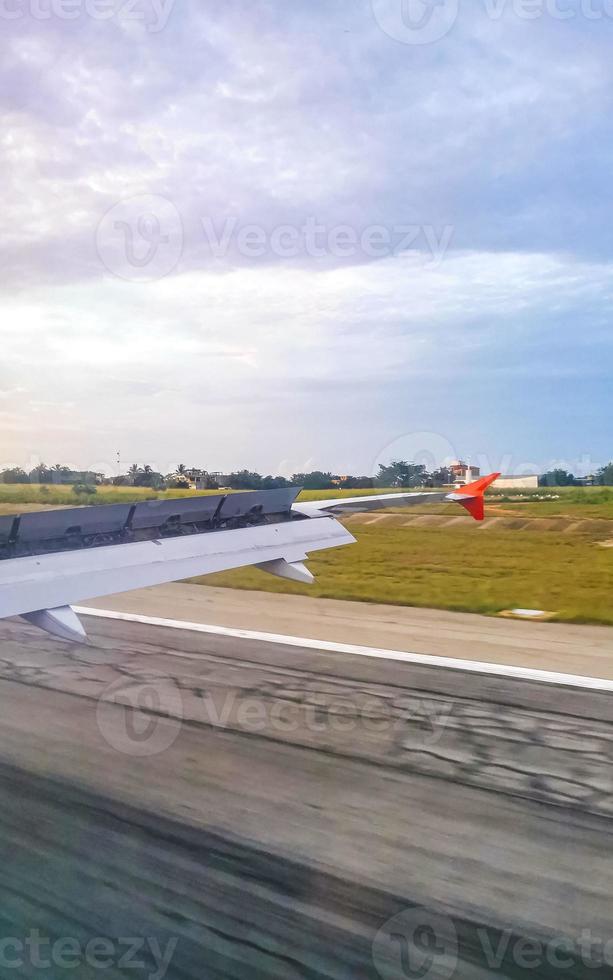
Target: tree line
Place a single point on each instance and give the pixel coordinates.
(562, 478)
(398, 473)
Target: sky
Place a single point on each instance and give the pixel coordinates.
(312, 235)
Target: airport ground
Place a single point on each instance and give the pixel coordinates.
(265, 809)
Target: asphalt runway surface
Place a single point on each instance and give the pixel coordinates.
(249, 810)
(563, 647)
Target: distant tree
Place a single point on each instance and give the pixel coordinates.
(313, 481)
(604, 477)
(557, 478)
(442, 477)
(399, 473)
(60, 474)
(274, 483)
(133, 473)
(181, 469)
(41, 474)
(245, 480)
(147, 477)
(14, 475)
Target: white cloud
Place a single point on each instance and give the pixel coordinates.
(216, 352)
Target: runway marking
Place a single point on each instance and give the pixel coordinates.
(419, 659)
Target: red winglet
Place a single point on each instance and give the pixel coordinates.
(474, 493)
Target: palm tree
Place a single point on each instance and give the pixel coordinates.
(58, 472)
(40, 473)
(181, 469)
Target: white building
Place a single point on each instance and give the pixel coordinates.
(517, 483)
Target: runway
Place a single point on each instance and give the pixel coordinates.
(558, 647)
(271, 808)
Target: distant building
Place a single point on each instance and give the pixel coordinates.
(202, 480)
(463, 473)
(517, 483)
(193, 475)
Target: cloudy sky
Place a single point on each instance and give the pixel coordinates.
(317, 233)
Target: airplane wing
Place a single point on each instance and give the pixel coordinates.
(52, 560)
(470, 496)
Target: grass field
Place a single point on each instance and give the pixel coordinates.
(17, 496)
(468, 568)
(463, 567)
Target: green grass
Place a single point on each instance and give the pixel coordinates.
(30, 495)
(577, 502)
(465, 569)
